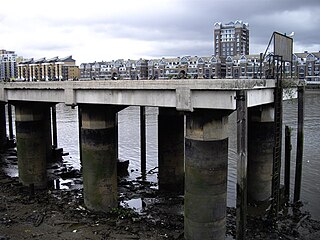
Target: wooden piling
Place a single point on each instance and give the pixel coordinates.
(242, 125)
(54, 126)
(117, 137)
(3, 128)
(299, 155)
(10, 122)
(80, 138)
(287, 151)
(143, 140)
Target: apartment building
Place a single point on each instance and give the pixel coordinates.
(8, 65)
(306, 66)
(231, 39)
(53, 69)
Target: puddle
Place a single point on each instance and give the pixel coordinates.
(65, 184)
(11, 171)
(10, 166)
(136, 204)
(163, 205)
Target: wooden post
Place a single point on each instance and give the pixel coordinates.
(143, 139)
(80, 126)
(10, 122)
(54, 126)
(297, 184)
(117, 137)
(242, 123)
(287, 151)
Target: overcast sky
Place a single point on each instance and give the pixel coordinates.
(96, 30)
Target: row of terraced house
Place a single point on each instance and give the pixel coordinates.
(304, 66)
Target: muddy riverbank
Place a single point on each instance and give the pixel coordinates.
(143, 213)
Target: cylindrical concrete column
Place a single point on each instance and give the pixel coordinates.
(171, 150)
(99, 163)
(206, 162)
(3, 132)
(260, 154)
(32, 134)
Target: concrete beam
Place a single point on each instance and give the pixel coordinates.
(184, 95)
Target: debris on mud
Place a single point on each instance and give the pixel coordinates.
(143, 212)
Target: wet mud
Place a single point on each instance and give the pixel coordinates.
(144, 212)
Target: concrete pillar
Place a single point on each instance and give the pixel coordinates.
(171, 150)
(32, 134)
(3, 132)
(206, 161)
(260, 153)
(99, 163)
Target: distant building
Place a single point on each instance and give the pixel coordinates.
(304, 66)
(115, 69)
(8, 65)
(231, 39)
(164, 68)
(54, 69)
(185, 67)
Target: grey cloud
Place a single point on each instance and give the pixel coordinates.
(186, 27)
(196, 21)
(48, 46)
(155, 33)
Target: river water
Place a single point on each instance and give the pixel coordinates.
(129, 145)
